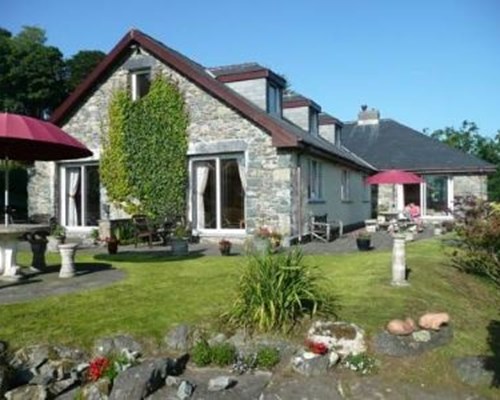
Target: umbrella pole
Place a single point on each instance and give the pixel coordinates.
(6, 191)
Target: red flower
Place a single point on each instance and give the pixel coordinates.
(317, 347)
(97, 368)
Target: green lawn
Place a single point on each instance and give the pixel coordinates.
(160, 292)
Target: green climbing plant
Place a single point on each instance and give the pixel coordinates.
(144, 160)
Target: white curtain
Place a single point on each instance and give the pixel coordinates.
(201, 185)
(74, 178)
(243, 175)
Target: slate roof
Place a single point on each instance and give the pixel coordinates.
(283, 133)
(235, 68)
(389, 144)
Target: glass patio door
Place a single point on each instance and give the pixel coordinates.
(80, 195)
(218, 194)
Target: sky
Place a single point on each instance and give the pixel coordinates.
(427, 64)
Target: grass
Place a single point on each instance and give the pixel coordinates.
(159, 292)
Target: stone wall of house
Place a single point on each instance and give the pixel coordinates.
(470, 185)
(254, 90)
(212, 123)
(298, 115)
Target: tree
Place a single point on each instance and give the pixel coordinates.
(32, 81)
(468, 139)
(80, 65)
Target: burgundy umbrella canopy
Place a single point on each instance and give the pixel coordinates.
(393, 176)
(28, 139)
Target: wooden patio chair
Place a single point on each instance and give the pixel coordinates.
(142, 229)
(323, 229)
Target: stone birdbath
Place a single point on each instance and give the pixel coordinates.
(9, 238)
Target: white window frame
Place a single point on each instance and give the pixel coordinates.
(218, 200)
(345, 185)
(315, 180)
(63, 190)
(133, 81)
(274, 102)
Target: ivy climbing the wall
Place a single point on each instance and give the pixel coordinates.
(144, 161)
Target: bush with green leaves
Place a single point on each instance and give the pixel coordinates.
(362, 363)
(478, 249)
(276, 291)
(267, 357)
(201, 353)
(223, 354)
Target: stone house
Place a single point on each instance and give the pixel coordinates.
(256, 156)
(447, 172)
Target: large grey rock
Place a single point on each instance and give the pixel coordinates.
(401, 346)
(60, 386)
(31, 392)
(140, 381)
(185, 390)
(475, 370)
(116, 345)
(221, 383)
(178, 338)
(98, 390)
(31, 356)
(250, 386)
(5, 379)
(310, 364)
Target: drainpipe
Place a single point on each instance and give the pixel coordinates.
(299, 194)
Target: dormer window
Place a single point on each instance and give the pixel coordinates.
(274, 97)
(140, 82)
(338, 130)
(313, 122)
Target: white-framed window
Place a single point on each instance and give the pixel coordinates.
(315, 180)
(274, 99)
(80, 194)
(313, 122)
(345, 185)
(218, 192)
(140, 81)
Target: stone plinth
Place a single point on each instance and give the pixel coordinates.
(67, 252)
(399, 261)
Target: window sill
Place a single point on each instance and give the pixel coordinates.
(347, 201)
(316, 201)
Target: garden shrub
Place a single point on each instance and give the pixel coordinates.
(223, 354)
(478, 234)
(276, 291)
(267, 357)
(201, 353)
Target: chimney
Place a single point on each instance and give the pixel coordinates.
(368, 117)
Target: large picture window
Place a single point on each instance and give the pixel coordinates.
(80, 195)
(437, 194)
(219, 193)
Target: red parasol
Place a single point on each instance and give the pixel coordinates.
(29, 139)
(393, 176)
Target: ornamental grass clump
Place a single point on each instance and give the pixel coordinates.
(276, 292)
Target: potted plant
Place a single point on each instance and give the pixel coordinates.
(225, 247)
(180, 237)
(56, 236)
(112, 243)
(363, 241)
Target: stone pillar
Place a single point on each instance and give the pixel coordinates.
(8, 269)
(67, 252)
(399, 261)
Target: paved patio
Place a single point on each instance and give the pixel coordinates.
(101, 273)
